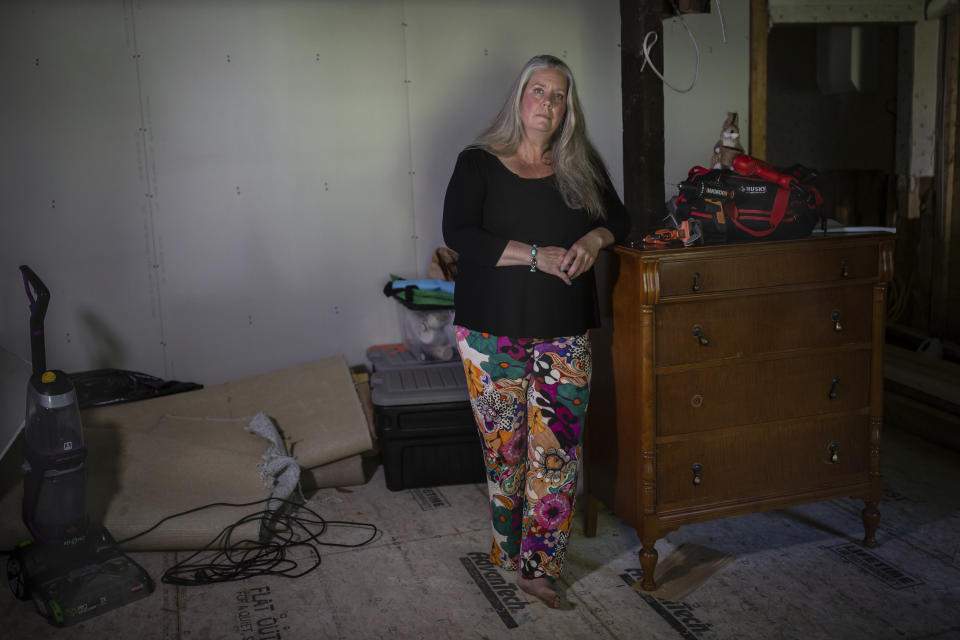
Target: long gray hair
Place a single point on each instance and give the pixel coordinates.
(577, 165)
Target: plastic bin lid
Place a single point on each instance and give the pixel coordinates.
(390, 356)
(397, 356)
(418, 384)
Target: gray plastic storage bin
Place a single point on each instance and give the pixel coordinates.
(425, 426)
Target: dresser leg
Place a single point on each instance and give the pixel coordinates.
(590, 513)
(648, 561)
(871, 518)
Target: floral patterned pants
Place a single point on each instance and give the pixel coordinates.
(529, 397)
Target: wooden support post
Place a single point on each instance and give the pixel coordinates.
(759, 19)
(643, 144)
(949, 316)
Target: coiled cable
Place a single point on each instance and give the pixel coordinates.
(293, 526)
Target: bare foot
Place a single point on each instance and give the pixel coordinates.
(541, 588)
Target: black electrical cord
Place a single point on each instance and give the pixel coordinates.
(231, 560)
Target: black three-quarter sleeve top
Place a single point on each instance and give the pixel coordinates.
(486, 206)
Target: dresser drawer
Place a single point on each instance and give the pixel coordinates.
(681, 277)
(714, 397)
(763, 461)
(749, 325)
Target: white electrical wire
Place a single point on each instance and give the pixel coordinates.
(723, 27)
(648, 45)
(647, 60)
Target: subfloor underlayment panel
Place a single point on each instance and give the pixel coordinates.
(795, 573)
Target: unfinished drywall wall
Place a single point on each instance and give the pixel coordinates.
(693, 120)
(14, 372)
(923, 112)
(213, 190)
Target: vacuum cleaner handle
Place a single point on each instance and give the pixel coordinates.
(38, 310)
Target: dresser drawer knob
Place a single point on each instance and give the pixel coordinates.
(697, 283)
(845, 268)
(834, 384)
(834, 449)
(835, 316)
(697, 469)
(696, 401)
(698, 334)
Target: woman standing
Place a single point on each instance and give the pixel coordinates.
(528, 208)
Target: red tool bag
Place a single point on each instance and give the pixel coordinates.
(751, 203)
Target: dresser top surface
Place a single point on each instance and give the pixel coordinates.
(818, 241)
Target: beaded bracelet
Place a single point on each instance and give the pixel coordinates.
(533, 259)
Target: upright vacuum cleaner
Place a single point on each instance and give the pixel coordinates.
(72, 569)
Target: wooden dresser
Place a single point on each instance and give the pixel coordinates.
(744, 378)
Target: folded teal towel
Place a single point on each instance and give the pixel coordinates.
(425, 285)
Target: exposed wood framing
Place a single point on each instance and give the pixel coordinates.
(948, 316)
(643, 143)
(929, 200)
(759, 21)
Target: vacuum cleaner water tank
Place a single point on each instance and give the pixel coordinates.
(53, 425)
(54, 506)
